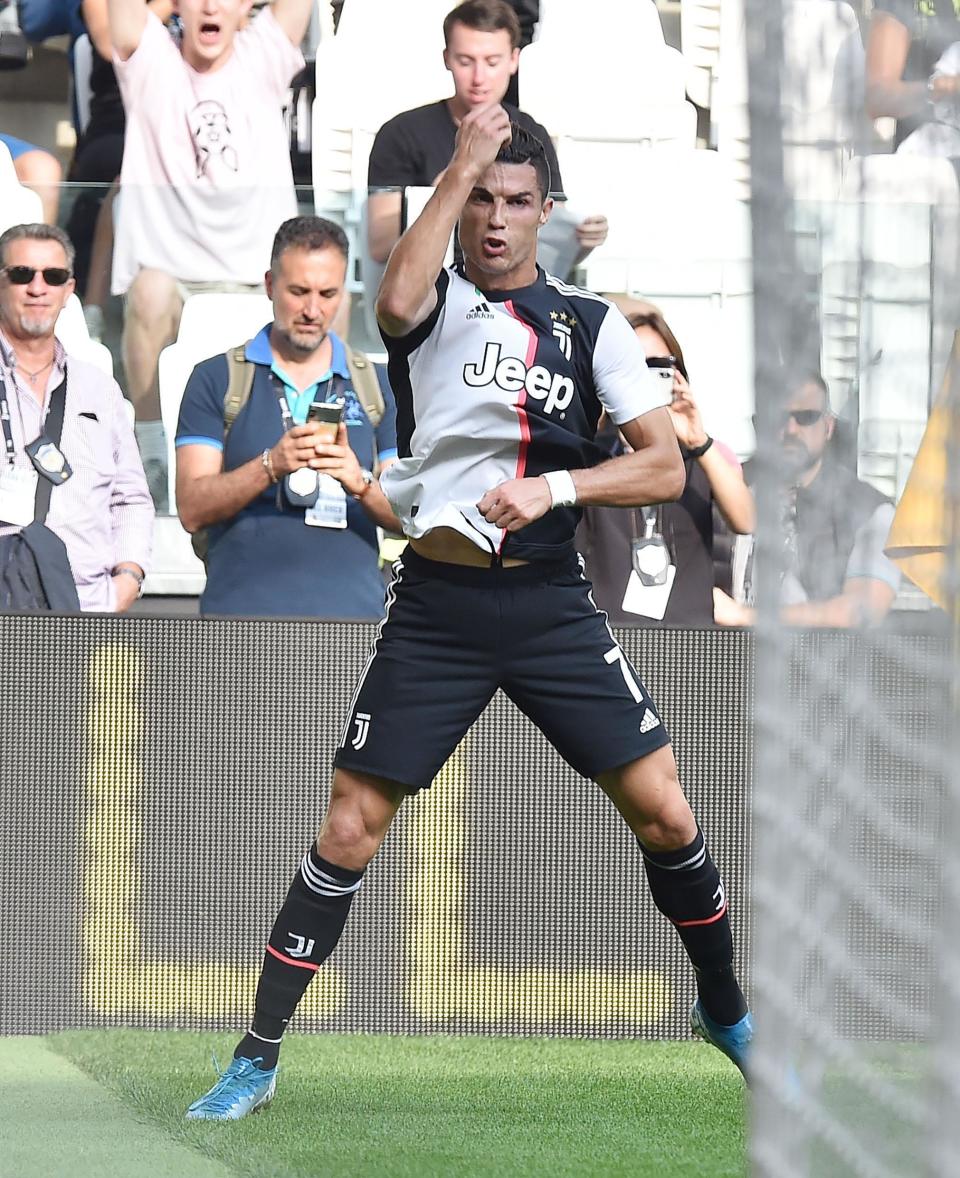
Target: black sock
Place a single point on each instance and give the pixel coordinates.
(304, 935)
(686, 887)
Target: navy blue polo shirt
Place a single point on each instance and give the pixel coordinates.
(266, 560)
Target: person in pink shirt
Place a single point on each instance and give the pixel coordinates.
(206, 176)
(76, 520)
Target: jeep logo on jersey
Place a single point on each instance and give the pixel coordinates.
(512, 375)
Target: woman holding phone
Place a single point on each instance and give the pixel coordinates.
(655, 565)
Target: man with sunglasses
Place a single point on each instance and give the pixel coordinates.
(834, 524)
(76, 517)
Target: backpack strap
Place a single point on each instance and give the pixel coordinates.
(363, 377)
(240, 381)
(239, 384)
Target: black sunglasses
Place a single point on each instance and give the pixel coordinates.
(802, 417)
(22, 275)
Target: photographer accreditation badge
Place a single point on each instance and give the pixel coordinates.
(330, 509)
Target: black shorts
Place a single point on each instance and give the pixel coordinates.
(454, 634)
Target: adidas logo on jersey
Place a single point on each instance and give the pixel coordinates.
(512, 375)
(480, 311)
(649, 721)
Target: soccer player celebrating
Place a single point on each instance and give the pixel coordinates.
(500, 373)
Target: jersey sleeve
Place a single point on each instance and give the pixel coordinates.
(624, 383)
(386, 431)
(403, 345)
(201, 410)
(150, 61)
(393, 160)
(269, 54)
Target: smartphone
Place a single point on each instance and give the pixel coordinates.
(327, 415)
(662, 369)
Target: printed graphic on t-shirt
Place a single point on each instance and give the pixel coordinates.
(212, 140)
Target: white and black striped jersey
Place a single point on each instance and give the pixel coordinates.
(505, 384)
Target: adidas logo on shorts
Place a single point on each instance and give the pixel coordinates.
(480, 311)
(649, 721)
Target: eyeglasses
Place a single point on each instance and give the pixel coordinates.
(22, 275)
(803, 417)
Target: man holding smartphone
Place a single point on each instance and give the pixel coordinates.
(283, 483)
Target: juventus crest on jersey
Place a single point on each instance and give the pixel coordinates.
(507, 384)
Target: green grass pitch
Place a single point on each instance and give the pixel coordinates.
(401, 1107)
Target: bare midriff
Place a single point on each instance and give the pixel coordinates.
(450, 547)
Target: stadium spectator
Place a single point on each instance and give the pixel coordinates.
(36, 169)
(906, 39)
(656, 564)
(206, 173)
(482, 52)
(96, 164)
(41, 19)
(270, 553)
(489, 592)
(75, 513)
(835, 526)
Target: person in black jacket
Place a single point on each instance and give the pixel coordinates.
(834, 525)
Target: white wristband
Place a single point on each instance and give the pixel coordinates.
(563, 493)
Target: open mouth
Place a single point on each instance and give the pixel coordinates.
(209, 33)
(494, 247)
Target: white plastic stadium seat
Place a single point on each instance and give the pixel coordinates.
(700, 44)
(680, 238)
(821, 94)
(369, 84)
(71, 331)
(210, 324)
(18, 205)
(890, 302)
(636, 22)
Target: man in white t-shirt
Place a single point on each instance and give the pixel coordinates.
(206, 176)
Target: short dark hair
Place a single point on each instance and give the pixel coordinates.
(486, 16)
(526, 148)
(798, 378)
(308, 233)
(36, 231)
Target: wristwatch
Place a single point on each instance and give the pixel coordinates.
(368, 481)
(138, 577)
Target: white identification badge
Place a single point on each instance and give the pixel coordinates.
(18, 491)
(330, 509)
(648, 600)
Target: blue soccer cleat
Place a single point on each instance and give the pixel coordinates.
(242, 1089)
(733, 1041)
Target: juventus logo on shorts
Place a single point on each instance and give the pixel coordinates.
(362, 721)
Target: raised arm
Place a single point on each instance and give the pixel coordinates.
(293, 16)
(127, 19)
(407, 292)
(97, 20)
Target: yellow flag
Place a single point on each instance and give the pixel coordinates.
(923, 535)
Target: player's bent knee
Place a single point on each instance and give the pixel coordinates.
(672, 826)
(648, 794)
(361, 810)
